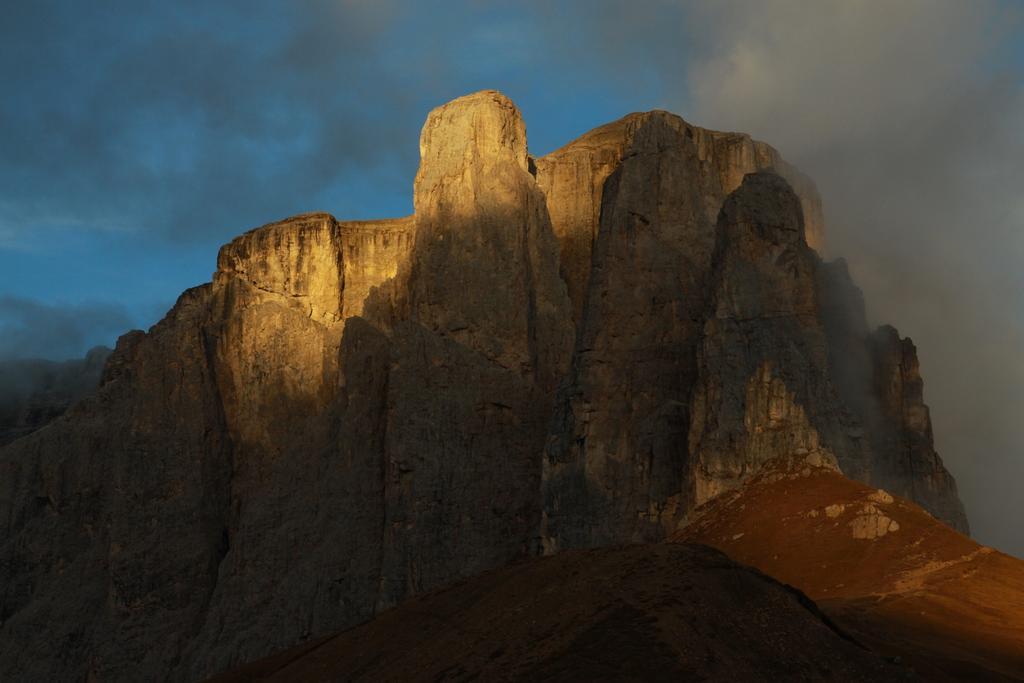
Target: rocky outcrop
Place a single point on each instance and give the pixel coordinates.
(553, 353)
(908, 464)
(687, 378)
(411, 436)
(573, 179)
(115, 514)
(763, 389)
(282, 294)
(484, 270)
(33, 392)
(878, 380)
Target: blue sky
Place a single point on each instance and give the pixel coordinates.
(137, 136)
(141, 136)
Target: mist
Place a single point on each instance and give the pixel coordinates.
(34, 338)
(31, 329)
(908, 116)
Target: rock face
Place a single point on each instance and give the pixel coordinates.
(763, 388)
(35, 392)
(710, 342)
(563, 352)
(573, 178)
(912, 469)
(877, 377)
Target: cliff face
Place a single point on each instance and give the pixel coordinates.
(573, 179)
(553, 353)
(711, 336)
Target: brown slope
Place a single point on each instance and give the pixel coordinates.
(654, 612)
(885, 569)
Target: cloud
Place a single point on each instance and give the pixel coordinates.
(33, 329)
(178, 119)
(908, 117)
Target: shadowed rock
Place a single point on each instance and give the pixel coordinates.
(573, 178)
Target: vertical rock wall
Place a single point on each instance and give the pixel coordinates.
(763, 335)
(909, 465)
(616, 459)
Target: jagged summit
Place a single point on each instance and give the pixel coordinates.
(568, 354)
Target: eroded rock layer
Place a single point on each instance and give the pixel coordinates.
(553, 353)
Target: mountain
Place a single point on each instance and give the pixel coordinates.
(37, 391)
(566, 352)
(658, 612)
(885, 570)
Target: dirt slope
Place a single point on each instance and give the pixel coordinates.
(654, 612)
(883, 568)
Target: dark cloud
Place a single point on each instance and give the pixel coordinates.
(182, 118)
(194, 121)
(33, 329)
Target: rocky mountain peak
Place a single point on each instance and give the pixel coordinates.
(354, 412)
(463, 139)
(483, 269)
